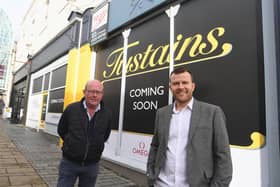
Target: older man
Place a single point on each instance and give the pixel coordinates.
(84, 127)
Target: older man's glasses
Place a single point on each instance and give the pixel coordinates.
(96, 92)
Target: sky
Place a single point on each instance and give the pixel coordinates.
(16, 10)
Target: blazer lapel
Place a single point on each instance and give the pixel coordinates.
(167, 120)
(194, 119)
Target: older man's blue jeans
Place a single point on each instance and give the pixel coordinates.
(69, 172)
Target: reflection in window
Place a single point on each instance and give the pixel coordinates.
(37, 85)
(58, 77)
(47, 80)
(56, 101)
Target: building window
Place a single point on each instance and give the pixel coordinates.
(56, 101)
(37, 85)
(58, 77)
(47, 80)
(56, 94)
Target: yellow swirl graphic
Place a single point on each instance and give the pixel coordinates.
(258, 141)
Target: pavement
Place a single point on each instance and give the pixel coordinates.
(30, 159)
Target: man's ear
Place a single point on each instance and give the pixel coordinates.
(193, 86)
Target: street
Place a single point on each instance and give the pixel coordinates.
(30, 159)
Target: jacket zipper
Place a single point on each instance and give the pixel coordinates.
(87, 143)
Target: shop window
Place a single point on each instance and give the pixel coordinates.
(58, 77)
(47, 80)
(37, 85)
(56, 101)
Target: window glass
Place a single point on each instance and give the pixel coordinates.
(37, 84)
(47, 80)
(56, 101)
(58, 77)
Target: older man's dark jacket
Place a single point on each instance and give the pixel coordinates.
(83, 139)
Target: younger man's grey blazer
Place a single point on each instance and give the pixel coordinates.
(208, 153)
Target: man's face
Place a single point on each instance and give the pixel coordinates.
(182, 87)
(93, 93)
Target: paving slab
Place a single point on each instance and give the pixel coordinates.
(30, 159)
(15, 170)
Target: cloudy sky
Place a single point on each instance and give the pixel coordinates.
(16, 10)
